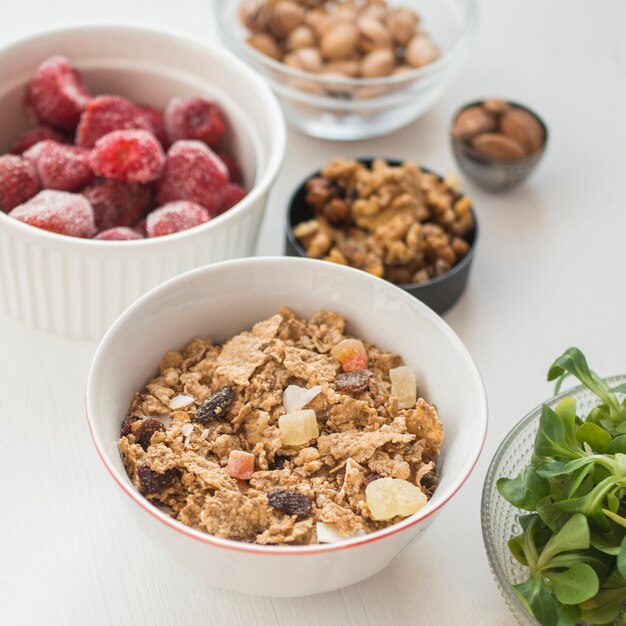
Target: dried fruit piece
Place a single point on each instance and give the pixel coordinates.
(126, 429)
(195, 173)
(356, 381)
(174, 217)
(117, 204)
(497, 146)
(240, 465)
(35, 135)
(278, 463)
(404, 386)
(289, 502)
(472, 121)
(387, 498)
(194, 118)
(180, 401)
(60, 166)
(18, 181)
(214, 407)
(232, 195)
(129, 156)
(298, 428)
(351, 353)
(56, 94)
(371, 477)
(296, 398)
(59, 212)
(106, 114)
(118, 233)
(329, 534)
(147, 429)
(234, 173)
(524, 128)
(153, 482)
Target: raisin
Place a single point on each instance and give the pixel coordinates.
(290, 502)
(356, 381)
(126, 425)
(370, 478)
(214, 406)
(147, 429)
(154, 482)
(278, 463)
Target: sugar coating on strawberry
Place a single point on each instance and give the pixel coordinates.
(130, 156)
(35, 135)
(106, 114)
(60, 166)
(195, 173)
(234, 173)
(119, 233)
(157, 123)
(56, 94)
(117, 204)
(195, 118)
(231, 195)
(59, 212)
(18, 181)
(174, 217)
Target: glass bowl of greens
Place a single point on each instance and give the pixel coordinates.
(553, 509)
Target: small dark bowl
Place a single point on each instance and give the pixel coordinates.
(492, 173)
(439, 293)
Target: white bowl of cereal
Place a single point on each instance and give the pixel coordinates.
(75, 286)
(224, 464)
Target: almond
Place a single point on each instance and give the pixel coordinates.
(495, 106)
(522, 127)
(473, 121)
(497, 146)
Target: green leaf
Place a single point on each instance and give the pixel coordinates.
(621, 558)
(551, 515)
(551, 439)
(591, 504)
(538, 599)
(614, 517)
(605, 542)
(516, 547)
(558, 468)
(618, 444)
(525, 490)
(595, 436)
(568, 615)
(573, 536)
(566, 410)
(613, 502)
(619, 389)
(605, 607)
(576, 584)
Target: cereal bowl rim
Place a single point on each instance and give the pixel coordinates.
(211, 540)
(275, 155)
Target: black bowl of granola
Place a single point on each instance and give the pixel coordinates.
(390, 218)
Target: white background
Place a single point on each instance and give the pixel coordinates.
(550, 272)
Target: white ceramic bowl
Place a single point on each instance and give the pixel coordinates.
(76, 287)
(224, 299)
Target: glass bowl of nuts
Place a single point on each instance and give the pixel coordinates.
(389, 218)
(352, 69)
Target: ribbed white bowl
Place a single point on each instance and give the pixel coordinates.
(76, 287)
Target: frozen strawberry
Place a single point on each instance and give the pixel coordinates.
(157, 124)
(18, 181)
(234, 173)
(231, 195)
(117, 204)
(193, 172)
(141, 227)
(59, 212)
(240, 465)
(351, 353)
(59, 166)
(174, 217)
(120, 233)
(56, 94)
(35, 135)
(195, 118)
(131, 156)
(106, 114)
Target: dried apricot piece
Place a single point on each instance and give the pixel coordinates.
(351, 353)
(240, 465)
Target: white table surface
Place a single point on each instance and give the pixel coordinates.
(550, 272)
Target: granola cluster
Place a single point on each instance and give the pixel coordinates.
(210, 439)
(397, 222)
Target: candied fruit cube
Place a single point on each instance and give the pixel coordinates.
(387, 498)
(298, 427)
(194, 118)
(351, 354)
(174, 217)
(240, 465)
(18, 181)
(129, 156)
(59, 166)
(404, 386)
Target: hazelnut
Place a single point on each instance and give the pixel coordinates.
(265, 44)
(473, 121)
(340, 42)
(402, 24)
(300, 37)
(420, 51)
(284, 17)
(378, 63)
(305, 59)
(372, 34)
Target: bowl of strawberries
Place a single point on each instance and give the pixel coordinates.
(127, 156)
